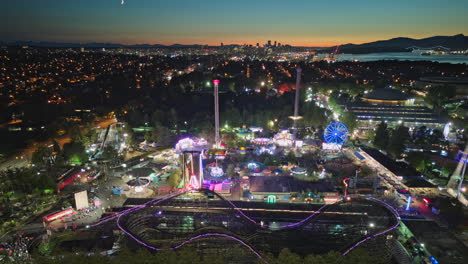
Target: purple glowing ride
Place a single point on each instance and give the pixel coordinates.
(261, 225)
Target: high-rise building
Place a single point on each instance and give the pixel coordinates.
(274, 45)
(258, 44)
(222, 44)
(269, 43)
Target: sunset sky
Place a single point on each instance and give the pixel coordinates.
(297, 22)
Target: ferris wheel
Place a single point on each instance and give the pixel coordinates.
(336, 133)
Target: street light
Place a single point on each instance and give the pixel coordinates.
(371, 225)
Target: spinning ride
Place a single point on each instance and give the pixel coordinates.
(336, 133)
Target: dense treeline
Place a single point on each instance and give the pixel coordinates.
(189, 256)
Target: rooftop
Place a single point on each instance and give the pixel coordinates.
(140, 172)
(418, 182)
(411, 177)
(386, 94)
(447, 80)
(286, 184)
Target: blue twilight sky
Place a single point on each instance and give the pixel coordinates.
(296, 22)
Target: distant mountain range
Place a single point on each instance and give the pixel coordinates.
(91, 45)
(395, 44)
(403, 44)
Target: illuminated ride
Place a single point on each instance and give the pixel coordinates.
(129, 227)
(138, 188)
(299, 171)
(253, 165)
(269, 149)
(256, 129)
(393, 222)
(284, 139)
(138, 184)
(336, 133)
(261, 141)
(191, 144)
(216, 172)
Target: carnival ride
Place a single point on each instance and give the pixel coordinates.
(262, 141)
(216, 171)
(338, 226)
(253, 165)
(336, 133)
(191, 144)
(284, 139)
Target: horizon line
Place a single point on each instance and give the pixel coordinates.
(218, 44)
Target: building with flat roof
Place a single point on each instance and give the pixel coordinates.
(283, 187)
(369, 115)
(410, 178)
(386, 96)
(460, 84)
(395, 108)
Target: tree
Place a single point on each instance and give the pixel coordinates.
(174, 179)
(56, 146)
(45, 181)
(147, 136)
(25, 180)
(230, 139)
(230, 171)
(75, 134)
(74, 152)
(362, 256)
(381, 136)
(438, 95)
(130, 136)
(350, 120)
(397, 141)
(452, 211)
(286, 256)
(173, 119)
(448, 168)
(333, 102)
(162, 135)
(39, 155)
(232, 117)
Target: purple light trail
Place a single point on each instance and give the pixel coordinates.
(157, 201)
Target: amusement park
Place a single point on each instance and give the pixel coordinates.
(246, 190)
(259, 190)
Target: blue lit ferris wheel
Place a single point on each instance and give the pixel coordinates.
(336, 133)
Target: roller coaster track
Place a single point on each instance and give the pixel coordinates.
(261, 225)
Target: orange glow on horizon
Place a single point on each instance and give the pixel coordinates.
(301, 42)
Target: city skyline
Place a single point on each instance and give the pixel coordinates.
(209, 22)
